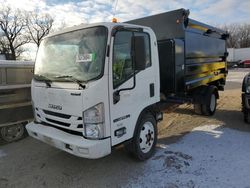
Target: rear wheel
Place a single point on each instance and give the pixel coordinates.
(210, 108)
(12, 133)
(144, 141)
(197, 109)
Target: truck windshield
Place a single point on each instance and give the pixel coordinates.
(78, 54)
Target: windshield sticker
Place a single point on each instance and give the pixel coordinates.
(82, 58)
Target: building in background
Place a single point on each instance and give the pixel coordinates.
(238, 54)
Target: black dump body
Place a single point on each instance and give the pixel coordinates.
(191, 53)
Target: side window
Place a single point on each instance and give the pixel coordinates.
(122, 61)
(147, 47)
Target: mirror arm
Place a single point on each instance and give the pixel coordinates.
(116, 94)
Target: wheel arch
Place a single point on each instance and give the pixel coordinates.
(152, 109)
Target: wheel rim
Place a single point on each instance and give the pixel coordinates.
(147, 137)
(12, 133)
(212, 102)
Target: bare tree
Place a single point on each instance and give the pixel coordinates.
(13, 25)
(4, 47)
(3, 44)
(244, 36)
(239, 35)
(38, 26)
(232, 41)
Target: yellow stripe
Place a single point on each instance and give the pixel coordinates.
(194, 26)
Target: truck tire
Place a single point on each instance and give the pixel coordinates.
(12, 133)
(142, 145)
(210, 108)
(197, 109)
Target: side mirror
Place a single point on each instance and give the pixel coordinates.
(138, 47)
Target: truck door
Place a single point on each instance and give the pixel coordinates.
(125, 112)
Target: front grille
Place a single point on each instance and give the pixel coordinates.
(57, 114)
(63, 129)
(66, 121)
(58, 122)
(80, 126)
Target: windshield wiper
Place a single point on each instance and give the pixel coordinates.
(73, 79)
(43, 78)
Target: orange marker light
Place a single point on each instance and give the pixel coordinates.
(114, 20)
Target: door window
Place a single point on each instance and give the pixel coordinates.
(122, 59)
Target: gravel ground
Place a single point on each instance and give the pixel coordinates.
(182, 120)
(30, 163)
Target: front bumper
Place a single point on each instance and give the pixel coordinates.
(73, 144)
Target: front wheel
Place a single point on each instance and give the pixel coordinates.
(144, 141)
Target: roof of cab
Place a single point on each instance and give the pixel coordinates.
(82, 26)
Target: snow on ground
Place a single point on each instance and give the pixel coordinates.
(210, 156)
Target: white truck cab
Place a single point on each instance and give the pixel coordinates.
(89, 92)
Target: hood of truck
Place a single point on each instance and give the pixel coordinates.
(66, 101)
(68, 98)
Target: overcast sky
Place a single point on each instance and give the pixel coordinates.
(215, 12)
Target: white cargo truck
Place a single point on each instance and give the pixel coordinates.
(97, 86)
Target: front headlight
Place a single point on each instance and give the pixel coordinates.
(93, 121)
